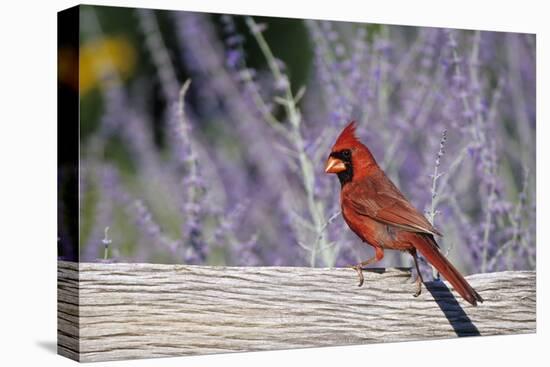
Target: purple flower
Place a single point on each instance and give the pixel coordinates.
(237, 176)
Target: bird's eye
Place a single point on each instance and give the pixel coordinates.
(346, 153)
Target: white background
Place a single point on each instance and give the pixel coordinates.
(28, 182)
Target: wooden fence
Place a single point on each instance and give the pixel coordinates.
(122, 311)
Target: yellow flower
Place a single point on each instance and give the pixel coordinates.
(106, 54)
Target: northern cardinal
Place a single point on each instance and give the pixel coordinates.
(375, 209)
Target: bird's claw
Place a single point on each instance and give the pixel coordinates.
(359, 269)
(418, 288)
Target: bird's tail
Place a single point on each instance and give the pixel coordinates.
(429, 249)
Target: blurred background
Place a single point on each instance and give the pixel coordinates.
(228, 170)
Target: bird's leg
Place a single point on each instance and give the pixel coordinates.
(419, 279)
(379, 255)
(359, 269)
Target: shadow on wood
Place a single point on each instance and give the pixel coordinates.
(447, 302)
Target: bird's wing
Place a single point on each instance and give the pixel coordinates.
(378, 198)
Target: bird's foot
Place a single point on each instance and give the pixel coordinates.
(418, 287)
(359, 269)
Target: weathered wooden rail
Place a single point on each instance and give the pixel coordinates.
(121, 311)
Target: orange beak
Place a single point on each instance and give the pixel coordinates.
(334, 165)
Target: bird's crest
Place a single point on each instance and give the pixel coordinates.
(347, 138)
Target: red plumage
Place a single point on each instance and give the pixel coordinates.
(381, 216)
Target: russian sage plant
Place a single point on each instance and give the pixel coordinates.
(222, 155)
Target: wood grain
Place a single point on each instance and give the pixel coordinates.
(122, 311)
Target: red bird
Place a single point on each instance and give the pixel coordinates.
(375, 209)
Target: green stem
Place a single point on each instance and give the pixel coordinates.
(106, 242)
(306, 167)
